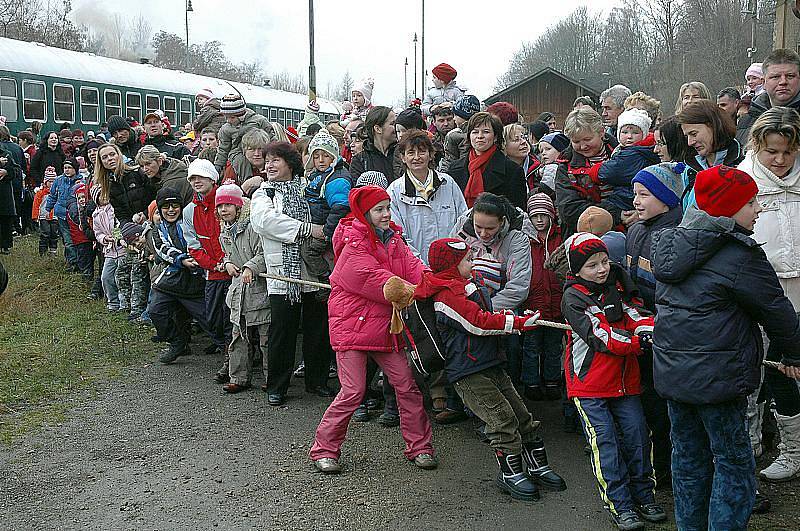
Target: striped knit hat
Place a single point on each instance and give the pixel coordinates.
(541, 204)
(580, 247)
(232, 104)
(50, 174)
(372, 178)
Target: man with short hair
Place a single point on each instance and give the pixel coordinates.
(781, 88)
(162, 140)
(123, 136)
(728, 100)
(455, 142)
(444, 121)
(612, 103)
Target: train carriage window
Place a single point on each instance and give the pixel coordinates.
(273, 115)
(8, 99)
(296, 117)
(113, 100)
(170, 110)
(282, 117)
(152, 103)
(63, 103)
(90, 106)
(34, 103)
(186, 111)
(133, 106)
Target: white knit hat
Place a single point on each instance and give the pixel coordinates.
(322, 141)
(203, 168)
(755, 69)
(636, 117)
(207, 93)
(365, 88)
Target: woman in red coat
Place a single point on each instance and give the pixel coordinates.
(369, 251)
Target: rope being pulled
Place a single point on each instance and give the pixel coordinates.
(540, 322)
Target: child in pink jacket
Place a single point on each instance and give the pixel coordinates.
(369, 251)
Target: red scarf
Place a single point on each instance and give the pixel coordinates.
(477, 163)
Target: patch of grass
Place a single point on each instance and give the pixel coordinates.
(53, 341)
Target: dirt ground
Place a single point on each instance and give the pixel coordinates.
(165, 448)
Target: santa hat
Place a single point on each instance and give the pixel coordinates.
(446, 253)
(635, 117)
(229, 194)
(723, 191)
(580, 247)
(445, 72)
(365, 88)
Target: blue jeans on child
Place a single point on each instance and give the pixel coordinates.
(69, 250)
(541, 356)
(713, 469)
(620, 450)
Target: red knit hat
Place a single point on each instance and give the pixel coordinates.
(506, 112)
(446, 253)
(229, 194)
(363, 199)
(580, 247)
(723, 191)
(445, 72)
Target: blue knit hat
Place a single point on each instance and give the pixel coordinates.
(664, 181)
(466, 106)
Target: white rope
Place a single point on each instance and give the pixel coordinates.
(540, 322)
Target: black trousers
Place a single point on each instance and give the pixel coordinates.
(218, 315)
(85, 259)
(6, 228)
(282, 344)
(171, 315)
(657, 417)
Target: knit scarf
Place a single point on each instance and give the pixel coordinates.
(296, 207)
(477, 163)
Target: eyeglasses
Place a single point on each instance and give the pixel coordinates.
(661, 143)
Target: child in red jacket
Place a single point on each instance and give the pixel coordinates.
(609, 330)
(541, 348)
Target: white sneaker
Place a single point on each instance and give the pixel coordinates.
(787, 464)
(328, 465)
(783, 468)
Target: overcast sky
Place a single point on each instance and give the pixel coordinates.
(368, 38)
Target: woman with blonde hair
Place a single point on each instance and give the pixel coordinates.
(647, 103)
(127, 189)
(517, 148)
(691, 92)
(772, 160)
(164, 171)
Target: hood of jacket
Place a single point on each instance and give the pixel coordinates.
(519, 222)
(241, 224)
(680, 251)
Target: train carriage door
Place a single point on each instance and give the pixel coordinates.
(63, 103)
(90, 106)
(133, 106)
(34, 101)
(8, 99)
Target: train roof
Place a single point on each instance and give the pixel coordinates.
(36, 58)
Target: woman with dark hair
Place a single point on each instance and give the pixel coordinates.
(49, 153)
(670, 141)
(281, 217)
(486, 168)
(711, 137)
(379, 144)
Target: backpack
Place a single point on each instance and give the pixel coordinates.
(422, 338)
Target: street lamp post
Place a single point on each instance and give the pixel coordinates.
(188, 10)
(424, 74)
(415, 65)
(405, 81)
(312, 71)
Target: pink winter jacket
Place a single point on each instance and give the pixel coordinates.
(358, 315)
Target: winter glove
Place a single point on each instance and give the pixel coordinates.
(646, 342)
(527, 322)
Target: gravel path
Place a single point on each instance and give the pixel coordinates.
(165, 448)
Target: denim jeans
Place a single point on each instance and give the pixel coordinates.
(69, 250)
(107, 277)
(713, 469)
(541, 356)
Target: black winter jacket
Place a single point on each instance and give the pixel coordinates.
(168, 145)
(371, 159)
(502, 176)
(715, 286)
(43, 158)
(131, 193)
(8, 199)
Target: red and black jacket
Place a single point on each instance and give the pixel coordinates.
(602, 348)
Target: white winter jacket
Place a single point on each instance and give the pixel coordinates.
(275, 228)
(426, 221)
(778, 225)
(435, 96)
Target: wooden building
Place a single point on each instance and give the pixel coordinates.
(546, 90)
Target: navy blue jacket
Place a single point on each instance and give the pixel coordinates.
(621, 168)
(715, 286)
(327, 195)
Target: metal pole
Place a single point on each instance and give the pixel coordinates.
(424, 74)
(186, 8)
(405, 82)
(415, 65)
(312, 71)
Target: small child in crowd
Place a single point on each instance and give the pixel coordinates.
(550, 148)
(247, 297)
(541, 348)
(48, 224)
(609, 331)
(471, 334)
(107, 234)
(132, 277)
(81, 232)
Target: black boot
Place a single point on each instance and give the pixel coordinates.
(512, 478)
(538, 469)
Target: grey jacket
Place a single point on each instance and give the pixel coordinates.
(230, 143)
(209, 116)
(512, 248)
(455, 147)
(249, 303)
(425, 221)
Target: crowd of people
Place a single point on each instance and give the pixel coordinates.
(634, 226)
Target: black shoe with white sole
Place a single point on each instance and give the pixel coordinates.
(512, 478)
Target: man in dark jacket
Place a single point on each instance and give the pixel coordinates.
(160, 139)
(781, 88)
(9, 173)
(124, 137)
(715, 287)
